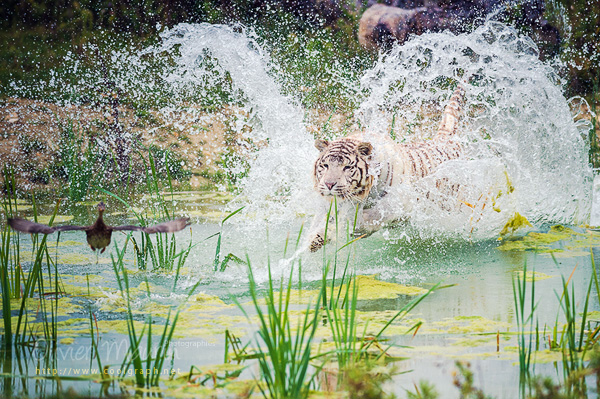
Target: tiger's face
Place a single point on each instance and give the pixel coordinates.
(342, 169)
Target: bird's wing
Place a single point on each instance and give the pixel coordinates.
(129, 228)
(25, 226)
(69, 228)
(167, 227)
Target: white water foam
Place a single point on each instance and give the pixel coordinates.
(524, 152)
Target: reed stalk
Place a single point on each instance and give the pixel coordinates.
(219, 265)
(525, 318)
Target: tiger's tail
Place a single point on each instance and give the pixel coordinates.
(451, 114)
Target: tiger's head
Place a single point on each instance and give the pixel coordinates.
(342, 169)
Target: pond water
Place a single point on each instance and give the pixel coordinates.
(469, 320)
(525, 155)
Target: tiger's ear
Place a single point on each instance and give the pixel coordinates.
(321, 144)
(365, 148)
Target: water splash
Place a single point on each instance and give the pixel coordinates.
(518, 129)
(524, 152)
(282, 167)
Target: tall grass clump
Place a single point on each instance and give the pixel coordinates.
(219, 265)
(354, 348)
(35, 279)
(12, 275)
(162, 254)
(16, 284)
(575, 340)
(10, 264)
(284, 354)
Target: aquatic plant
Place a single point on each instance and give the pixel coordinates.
(352, 347)
(464, 381)
(10, 269)
(575, 340)
(95, 351)
(525, 319)
(425, 390)
(12, 275)
(162, 255)
(217, 263)
(284, 351)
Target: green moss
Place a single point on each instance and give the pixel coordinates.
(467, 325)
(69, 243)
(371, 288)
(472, 342)
(74, 259)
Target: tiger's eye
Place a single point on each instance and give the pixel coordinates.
(347, 167)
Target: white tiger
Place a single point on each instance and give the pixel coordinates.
(350, 169)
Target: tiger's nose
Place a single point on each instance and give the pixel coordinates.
(330, 185)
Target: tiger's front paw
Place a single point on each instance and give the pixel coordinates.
(317, 243)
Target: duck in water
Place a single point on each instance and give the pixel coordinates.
(98, 234)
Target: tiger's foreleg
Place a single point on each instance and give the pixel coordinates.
(325, 225)
(320, 233)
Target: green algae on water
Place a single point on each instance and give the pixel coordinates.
(533, 276)
(45, 219)
(371, 288)
(576, 243)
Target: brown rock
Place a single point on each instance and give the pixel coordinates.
(381, 25)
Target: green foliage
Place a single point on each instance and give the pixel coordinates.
(425, 390)
(162, 253)
(321, 64)
(12, 276)
(168, 163)
(219, 265)
(579, 24)
(285, 351)
(363, 381)
(464, 381)
(525, 320)
(147, 370)
(76, 161)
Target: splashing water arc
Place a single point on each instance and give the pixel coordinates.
(284, 166)
(524, 152)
